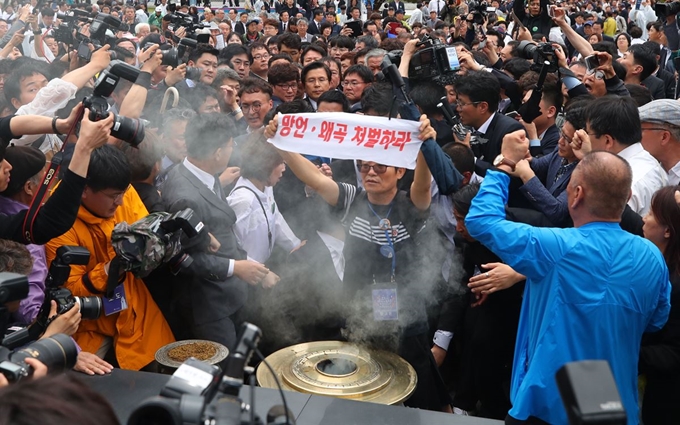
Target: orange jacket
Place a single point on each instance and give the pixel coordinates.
(139, 330)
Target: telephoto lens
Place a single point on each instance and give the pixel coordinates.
(129, 130)
(59, 353)
(90, 307)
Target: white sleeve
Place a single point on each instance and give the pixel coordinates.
(285, 238)
(51, 98)
(242, 206)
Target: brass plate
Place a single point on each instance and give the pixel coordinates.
(360, 374)
(162, 354)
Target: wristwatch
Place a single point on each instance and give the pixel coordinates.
(501, 160)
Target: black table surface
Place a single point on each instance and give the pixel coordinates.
(126, 389)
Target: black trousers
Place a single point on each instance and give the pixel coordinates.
(509, 420)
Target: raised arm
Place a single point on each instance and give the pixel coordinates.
(306, 171)
(580, 44)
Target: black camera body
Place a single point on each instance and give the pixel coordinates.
(435, 60)
(540, 53)
(59, 353)
(129, 130)
(184, 20)
(666, 9)
(479, 11)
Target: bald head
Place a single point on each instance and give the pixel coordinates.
(606, 180)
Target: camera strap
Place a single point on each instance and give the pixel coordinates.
(48, 179)
(264, 211)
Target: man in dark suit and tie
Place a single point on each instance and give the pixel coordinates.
(397, 5)
(478, 97)
(283, 25)
(240, 26)
(315, 24)
(214, 287)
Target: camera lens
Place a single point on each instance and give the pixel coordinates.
(170, 58)
(59, 353)
(90, 307)
(129, 130)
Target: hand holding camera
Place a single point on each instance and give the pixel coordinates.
(66, 323)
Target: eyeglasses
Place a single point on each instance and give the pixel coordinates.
(462, 105)
(254, 107)
(377, 168)
(599, 75)
(352, 83)
(317, 80)
(264, 56)
(564, 136)
(115, 197)
(287, 87)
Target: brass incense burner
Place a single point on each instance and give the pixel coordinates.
(341, 369)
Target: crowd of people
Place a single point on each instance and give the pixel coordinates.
(540, 226)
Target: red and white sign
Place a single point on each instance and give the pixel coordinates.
(350, 136)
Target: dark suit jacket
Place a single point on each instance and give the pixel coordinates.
(240, 28)
(669, 82)
(499, 127)
(548, 142)
(398, 6)
(313, 29)
(209, 294)
(656, 87)
(546, 194)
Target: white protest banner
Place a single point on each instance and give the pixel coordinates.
(350, 136)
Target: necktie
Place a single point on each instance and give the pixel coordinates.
(217, 188)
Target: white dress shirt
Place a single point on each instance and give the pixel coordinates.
(674, 175)
(335, 247)
(648, 177)
(252, 227)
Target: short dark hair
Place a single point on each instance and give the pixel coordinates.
(254, 85)
(259, 158)
(256, 45)
(342, 41)
(640, 94)
(277, 56)
(462, 199)
(517, 67)
(290, 40)
(47, 11)
(207, 133)
(282, 73)
(427, 95)
(197, 95)
(15, 258)
(576, 112)
(480, 87)
(635, 32)
(335, 96)
(362, 72)
(379, 98)
(616, 116)
(312, 47)
(369, 41)
(315, 65)
(501, 42)
(462, 156)
(200, 50)
(12, 87)
(108, 169)
(644, 57)
(228, 53)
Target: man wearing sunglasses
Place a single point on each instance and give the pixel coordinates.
(385, 239)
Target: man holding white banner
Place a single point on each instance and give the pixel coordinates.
(388, 273)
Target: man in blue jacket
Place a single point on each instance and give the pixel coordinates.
(591, 291)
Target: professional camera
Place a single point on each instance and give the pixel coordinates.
(434, 60)
(540, 53)
(129, 130)
(198, 393)
(59, 353)
(184, 20)
(173, 56)
(154, 240)
(58, 274)
(67, 31)
(479, 11)
(666, 9)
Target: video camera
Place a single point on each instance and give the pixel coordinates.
(184, 20)
(199, 393)
(101, 26)
(173, 56)
(154, 240)
(666, 9)
(540, 53)
(58, 274)
(58, 352)
(434, 60)
(480, 11)
(129, 130)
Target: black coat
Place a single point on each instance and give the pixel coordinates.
(656, 87)
(668, 81)
(240, 28)
(487, 151)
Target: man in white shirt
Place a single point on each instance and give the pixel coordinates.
(436, 5)
(614, 126)
(661, 135)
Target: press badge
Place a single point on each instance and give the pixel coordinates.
(116, 303)
(385, 304)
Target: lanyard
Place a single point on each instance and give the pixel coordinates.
(384, 224)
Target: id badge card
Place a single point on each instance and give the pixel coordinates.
(117, 302)
(385, 304)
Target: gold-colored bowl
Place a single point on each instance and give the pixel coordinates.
(341, 369)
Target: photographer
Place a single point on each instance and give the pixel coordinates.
(535, 17)
(57, 214)
(133, 327)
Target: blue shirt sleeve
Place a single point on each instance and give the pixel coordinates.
(663, 307)
(529, 250)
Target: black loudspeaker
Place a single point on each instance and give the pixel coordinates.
(589, 393)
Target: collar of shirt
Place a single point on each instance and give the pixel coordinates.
(484, 127)
(674, 174)
(631, 151)
(206, 178)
